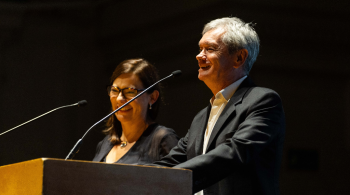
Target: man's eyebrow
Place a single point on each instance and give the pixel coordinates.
(208, 43)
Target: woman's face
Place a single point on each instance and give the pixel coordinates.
(136, 111)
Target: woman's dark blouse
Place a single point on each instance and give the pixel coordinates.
(155, 143)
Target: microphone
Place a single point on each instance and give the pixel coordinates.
(79, 104)
(77, 145)
(82, 103)
(176, 73)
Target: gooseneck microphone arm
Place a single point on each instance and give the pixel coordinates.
(80, 103)
(77, 146)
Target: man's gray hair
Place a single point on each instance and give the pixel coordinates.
(238, 35)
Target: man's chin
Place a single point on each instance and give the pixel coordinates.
(203, 73)
(202, 77)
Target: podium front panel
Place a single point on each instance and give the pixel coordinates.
(54, 176)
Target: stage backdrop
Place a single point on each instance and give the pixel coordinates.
(54, 53)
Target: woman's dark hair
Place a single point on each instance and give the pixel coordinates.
(148, 75)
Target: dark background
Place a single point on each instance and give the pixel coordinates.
(54, 53)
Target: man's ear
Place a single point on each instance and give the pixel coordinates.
(154, 96)
(240, 57)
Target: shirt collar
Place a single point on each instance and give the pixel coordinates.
(228, 92)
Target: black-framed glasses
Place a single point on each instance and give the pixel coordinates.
(113, 91)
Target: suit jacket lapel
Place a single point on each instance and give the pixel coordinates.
(230, 108)
(201, 130)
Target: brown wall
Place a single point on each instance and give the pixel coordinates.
(54, 53)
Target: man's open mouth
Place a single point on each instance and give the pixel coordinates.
(205, 67)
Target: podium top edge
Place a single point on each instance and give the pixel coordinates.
(43, 159)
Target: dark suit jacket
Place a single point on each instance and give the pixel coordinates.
(244, 151)
(155, 143)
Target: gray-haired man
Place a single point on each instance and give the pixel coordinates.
(234, 145)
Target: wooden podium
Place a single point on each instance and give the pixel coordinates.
(47, 176)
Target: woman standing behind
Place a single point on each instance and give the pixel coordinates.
(133, 136)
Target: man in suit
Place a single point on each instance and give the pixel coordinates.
(234, 145)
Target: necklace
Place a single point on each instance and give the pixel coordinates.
(123, 144)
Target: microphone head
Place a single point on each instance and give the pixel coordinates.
(176, 73)
(82, 103)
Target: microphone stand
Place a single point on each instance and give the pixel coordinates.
(80, 103)
(77, 146)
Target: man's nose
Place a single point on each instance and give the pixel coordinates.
(201, 55)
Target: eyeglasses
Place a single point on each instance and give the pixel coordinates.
(128, 93)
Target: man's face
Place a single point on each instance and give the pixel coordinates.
(214, 60)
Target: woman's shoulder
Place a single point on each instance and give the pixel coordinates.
(166, 135)
(162, 131)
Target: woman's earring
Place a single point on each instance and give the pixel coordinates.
(150, 106)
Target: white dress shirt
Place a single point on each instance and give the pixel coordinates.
(217, 106)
